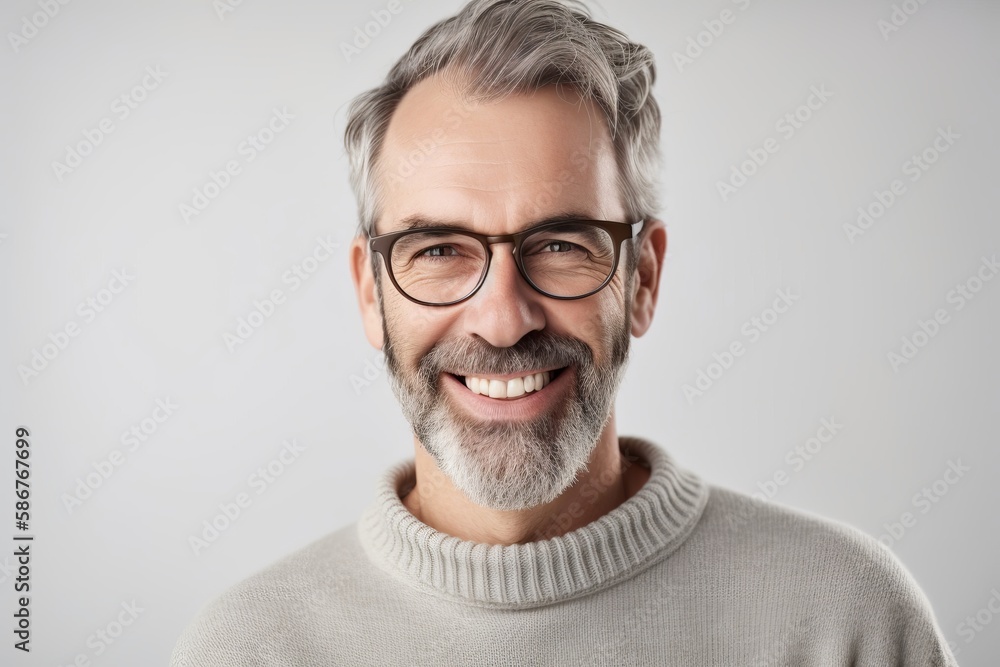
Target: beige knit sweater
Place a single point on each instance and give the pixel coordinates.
(682, 573)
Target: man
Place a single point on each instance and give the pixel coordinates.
(507, 250)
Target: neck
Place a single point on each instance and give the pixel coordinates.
(609, 480)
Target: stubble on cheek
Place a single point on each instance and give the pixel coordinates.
(402, 355)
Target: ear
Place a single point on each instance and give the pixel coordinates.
(646, 285)
(364, 285)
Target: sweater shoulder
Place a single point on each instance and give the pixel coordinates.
(790, 537)
(746, 516)
(864, 588)
(261, 612)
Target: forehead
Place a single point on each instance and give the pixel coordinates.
(496, 166)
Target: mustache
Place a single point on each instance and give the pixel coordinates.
(536, 349)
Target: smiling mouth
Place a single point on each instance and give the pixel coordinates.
(511, 389)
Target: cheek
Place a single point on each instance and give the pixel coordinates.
(413, 329)
(611, 321)
(597, 322)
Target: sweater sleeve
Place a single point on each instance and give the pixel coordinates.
(895, 624)
(220, 636)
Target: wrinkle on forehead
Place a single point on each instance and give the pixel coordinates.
(515, 156)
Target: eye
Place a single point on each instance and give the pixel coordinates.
(564, 246)
(438, 251)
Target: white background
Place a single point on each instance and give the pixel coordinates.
(161, 337)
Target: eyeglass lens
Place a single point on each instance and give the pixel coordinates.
(567, 260)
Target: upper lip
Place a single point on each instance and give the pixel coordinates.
(508, 376)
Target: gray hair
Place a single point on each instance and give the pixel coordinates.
(507, 47)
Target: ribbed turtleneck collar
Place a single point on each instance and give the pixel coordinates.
(644, 529)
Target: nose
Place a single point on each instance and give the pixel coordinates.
(506, 307)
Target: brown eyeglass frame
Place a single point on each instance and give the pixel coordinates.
(619, 232)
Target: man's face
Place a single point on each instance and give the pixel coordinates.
(498, 168)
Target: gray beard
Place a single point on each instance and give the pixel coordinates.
(511, 465)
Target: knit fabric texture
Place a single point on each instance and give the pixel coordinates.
(682, 573)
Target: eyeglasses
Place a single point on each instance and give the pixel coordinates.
(563, 259)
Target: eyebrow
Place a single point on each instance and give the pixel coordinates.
(417, 221)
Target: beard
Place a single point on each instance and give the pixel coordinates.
(511, 464)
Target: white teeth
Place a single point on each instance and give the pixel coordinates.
(508, 388)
